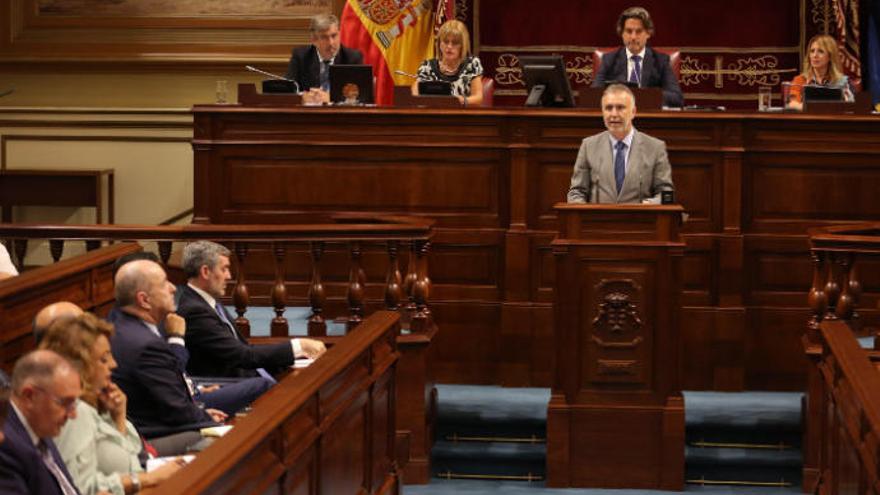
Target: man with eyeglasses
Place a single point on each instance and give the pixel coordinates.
(45, 388)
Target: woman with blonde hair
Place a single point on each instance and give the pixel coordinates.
(453, 63)
(821, 68)
(100, 447)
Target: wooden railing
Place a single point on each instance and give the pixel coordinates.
(84, 280)
(842, 435)
(272, 245)
(381, 238)
(328, 429)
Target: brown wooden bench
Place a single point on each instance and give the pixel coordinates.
(85, 280)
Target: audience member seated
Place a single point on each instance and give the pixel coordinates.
(637, 63)
(99, 446)
(455, 64)
(310, 65)
(162, 399)
(822, 67)
(621, 164)
(59, 311)
(7, 269)
(45, 388)
(215, 346)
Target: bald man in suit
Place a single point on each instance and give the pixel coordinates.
(621, 164)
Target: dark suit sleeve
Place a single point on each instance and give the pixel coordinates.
(293, 67)
(11, 471)
(207, 334)
(604, 68)
(672, 96)
(157, 371)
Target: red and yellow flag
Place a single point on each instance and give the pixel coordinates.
(393, 35)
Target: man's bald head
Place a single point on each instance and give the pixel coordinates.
(142, 286)
(62, 310)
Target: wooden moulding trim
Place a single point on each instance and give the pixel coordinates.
(38, 278)
(380, 228)
(280, 403)
(856, 237)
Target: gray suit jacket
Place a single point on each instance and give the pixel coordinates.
(648, 171)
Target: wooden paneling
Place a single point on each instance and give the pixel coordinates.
(327, 429)
(751, 183)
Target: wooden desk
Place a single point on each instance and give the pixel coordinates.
(751, 183)
(45, 187)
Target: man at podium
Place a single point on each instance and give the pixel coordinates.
(620, 165)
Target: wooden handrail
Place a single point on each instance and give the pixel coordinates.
(352, 229)
(842, 382)
(850, 453)
(383, 228)
(302, 415)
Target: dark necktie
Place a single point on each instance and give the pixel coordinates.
(324, 77)
(65, 484)
(222, 312)
(636, 75)
(620, 164)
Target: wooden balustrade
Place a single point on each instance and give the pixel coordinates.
(355, 234)
(327, 429)
(407, 295)
(843, 387)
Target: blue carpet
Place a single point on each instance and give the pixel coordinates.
(297, 321)
(497, 413)
(471, 487)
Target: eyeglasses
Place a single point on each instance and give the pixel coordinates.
(66, 403)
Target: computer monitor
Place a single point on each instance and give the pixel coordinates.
(546, 81)
(822, 93)
(435, 88)
(351, 84)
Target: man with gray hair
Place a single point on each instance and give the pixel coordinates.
(620, 165)
(310, 65)
(161, 398)
(216, 348)
(45, 389)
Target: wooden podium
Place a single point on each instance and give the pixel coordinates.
(616, 413)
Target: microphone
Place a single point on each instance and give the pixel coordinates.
(273, 76)
(407, 74)
(6, 92)
(593, 196)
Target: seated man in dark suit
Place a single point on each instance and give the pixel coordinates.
(45, 389)
(161, 399)
(310, 65)
(635, 62)
(216, 348)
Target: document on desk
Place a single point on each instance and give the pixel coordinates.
(215, 431)
(157, 462)
(302, 363)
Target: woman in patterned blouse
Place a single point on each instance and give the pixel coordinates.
(454, 64)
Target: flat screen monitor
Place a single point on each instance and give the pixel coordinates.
(351, 84)
(279, 86)
(435, 88)
(822, 93)
(546, 81)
